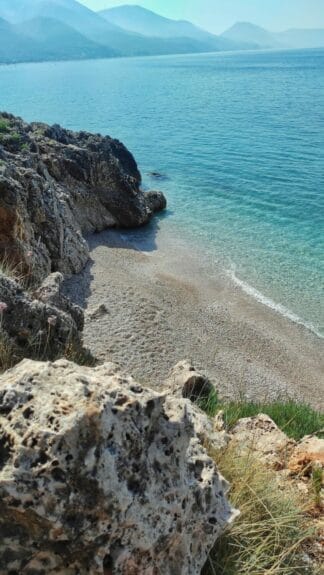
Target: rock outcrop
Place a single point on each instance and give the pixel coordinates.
(307, 455)
(40, 325)
(99, 475)
(260, 436)
(185, 381)
(55, 186)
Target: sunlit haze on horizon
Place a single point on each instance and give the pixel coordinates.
(217, 15)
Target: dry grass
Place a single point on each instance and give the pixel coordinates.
(11, 270)
(9, 355)
(79, 355)
(269, 535)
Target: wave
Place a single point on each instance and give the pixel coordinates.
(278, 307)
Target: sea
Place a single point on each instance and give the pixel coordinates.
(234, 140)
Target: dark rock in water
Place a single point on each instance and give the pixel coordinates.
(55, 186)
(155, 200)
(157, 175)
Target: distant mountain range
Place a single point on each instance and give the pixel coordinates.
(35, 30)
(293, 38)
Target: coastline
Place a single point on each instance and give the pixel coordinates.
(276, 307)
(162, 305)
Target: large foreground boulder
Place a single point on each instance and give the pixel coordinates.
(99, 475)
(55, 186)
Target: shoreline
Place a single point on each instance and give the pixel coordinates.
(271, 304)
(163, 306)
(168, 55)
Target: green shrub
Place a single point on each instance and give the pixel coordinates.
(15, 137)
(295, 419)
(4, 126)
(317, 481)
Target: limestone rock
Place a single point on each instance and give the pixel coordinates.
(43, 325)
(99, 475)
(262, 436)
(309, 453)
(219, 421)
(55, 186)
(185, 381)
(50, 293)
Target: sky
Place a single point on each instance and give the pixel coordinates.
(218, 15)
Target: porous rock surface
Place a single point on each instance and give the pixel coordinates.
(99, 475)
(55, 186)
(261, 436)
(42, 324)
(309, 453)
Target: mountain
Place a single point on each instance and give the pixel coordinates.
(147, 23)
(34, 30)
(96, 28)
(247, 32)
(13, 46)
(294, 38)
(56, 40)
(45, 39)
(70, 12)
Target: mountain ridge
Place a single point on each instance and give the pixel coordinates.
(293, 38)
(40, 30)
(137, 19)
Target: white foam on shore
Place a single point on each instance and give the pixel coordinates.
(278, 307)
(244, 286)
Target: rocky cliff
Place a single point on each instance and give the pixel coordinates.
(55, 186)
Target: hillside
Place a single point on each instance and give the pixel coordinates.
(142, 21)
(294, 38)
(99, 34)
(247, 32)
(13, 46)
(66, 29)
(63, 29)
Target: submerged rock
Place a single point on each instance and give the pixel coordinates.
(55, 186)
(99, 475)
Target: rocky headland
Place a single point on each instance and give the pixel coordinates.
(56, 186)
(101, 474)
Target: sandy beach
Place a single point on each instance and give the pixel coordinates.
(161, 305)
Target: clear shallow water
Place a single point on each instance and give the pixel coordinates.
(240, 138)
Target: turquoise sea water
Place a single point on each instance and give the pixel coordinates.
(240, 138)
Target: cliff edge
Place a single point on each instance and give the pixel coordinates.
(55, 186)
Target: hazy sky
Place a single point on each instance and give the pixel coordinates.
(217, 15)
